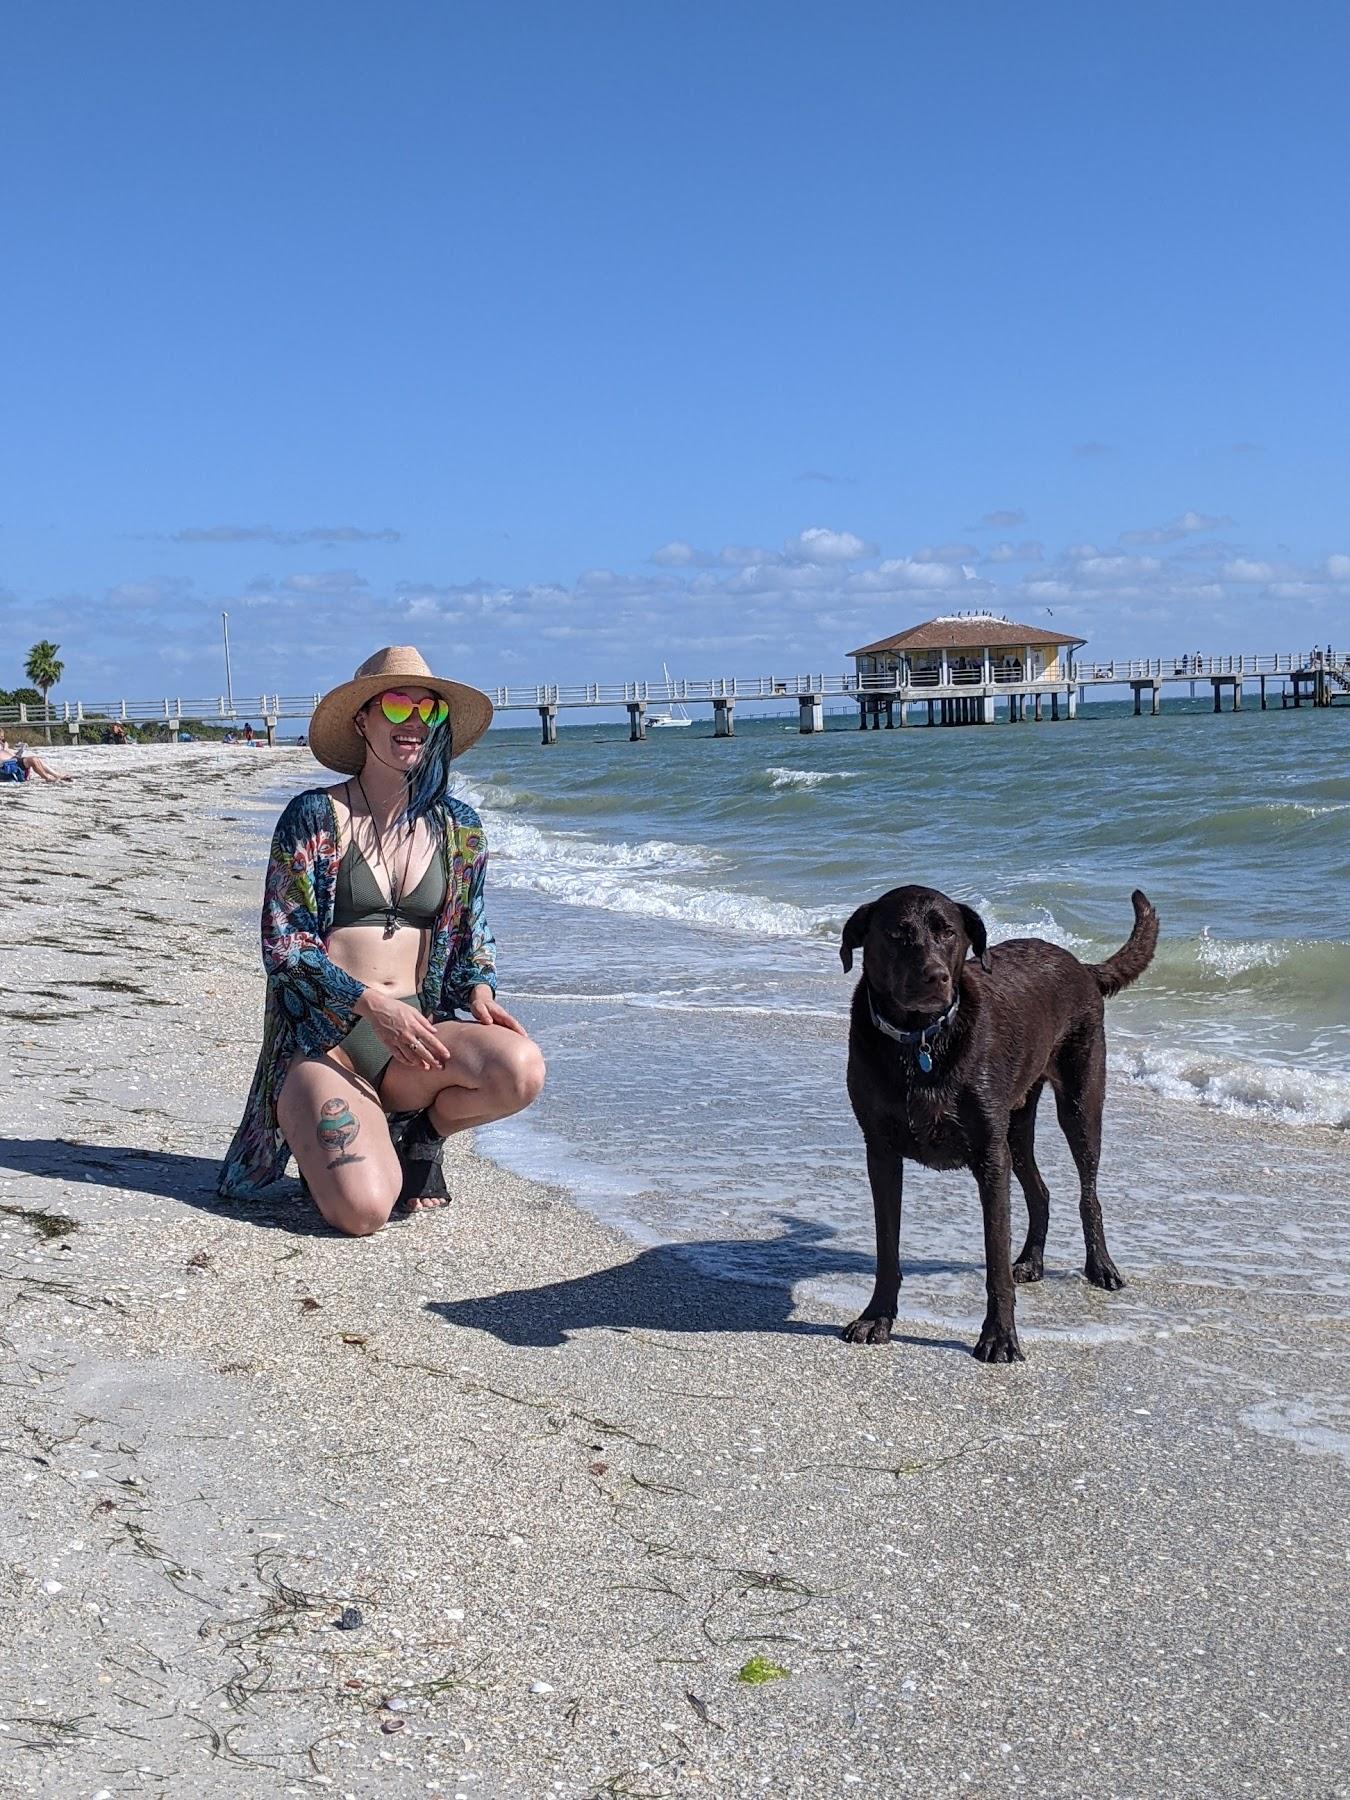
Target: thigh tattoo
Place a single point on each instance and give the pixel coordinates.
(337, 1128)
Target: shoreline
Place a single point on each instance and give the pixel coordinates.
(572, 1484)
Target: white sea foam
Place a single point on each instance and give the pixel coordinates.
(487, 794)
(1308, 808)
(1227, 957)
(806, 778)
(716, 908)
(580, 870)
(675, 1000)
(1248, 1090)
(1319, 1428)
(516, 841)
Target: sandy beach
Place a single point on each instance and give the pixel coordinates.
(560, 1489)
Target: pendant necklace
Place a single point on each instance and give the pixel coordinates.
(395, 893)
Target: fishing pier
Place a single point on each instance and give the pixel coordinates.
(885, 699)
(901, 698)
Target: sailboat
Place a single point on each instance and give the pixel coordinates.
(675, 714)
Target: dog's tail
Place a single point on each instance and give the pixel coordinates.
(1134, 955)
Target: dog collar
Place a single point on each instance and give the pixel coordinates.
(917, 1041)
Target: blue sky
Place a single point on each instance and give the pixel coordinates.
(562, 340)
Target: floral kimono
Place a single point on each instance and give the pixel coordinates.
(310, 1001)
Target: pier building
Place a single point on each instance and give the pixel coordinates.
(959, 665)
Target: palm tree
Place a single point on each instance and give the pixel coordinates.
(44, 669)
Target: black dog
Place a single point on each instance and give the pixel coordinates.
(946, 1062)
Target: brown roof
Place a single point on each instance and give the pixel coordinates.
(968, 633)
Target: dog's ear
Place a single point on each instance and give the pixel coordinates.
(854, 933)
(979, 938)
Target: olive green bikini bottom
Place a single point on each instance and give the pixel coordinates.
(369, 1057)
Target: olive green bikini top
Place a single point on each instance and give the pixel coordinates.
(358, 900)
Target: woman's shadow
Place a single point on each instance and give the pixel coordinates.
(166, 1174)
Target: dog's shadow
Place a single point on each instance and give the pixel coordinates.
(704, 1285)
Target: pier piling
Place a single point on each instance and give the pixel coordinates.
(637, 721)
(548, 724)
(724, 716)
(810, 714)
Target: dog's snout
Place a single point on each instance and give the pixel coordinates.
(936, 977)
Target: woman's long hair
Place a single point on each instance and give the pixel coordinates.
(429, 782)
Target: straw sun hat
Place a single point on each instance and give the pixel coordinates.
(333, 736)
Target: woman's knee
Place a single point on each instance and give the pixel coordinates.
(523, 1076)
(355, 1221)
(515, 1076)
(358, 1209)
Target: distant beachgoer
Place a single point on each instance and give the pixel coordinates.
(373, 937)
(17, 763)
(248, 732)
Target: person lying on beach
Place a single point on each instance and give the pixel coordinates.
(374, 936)
(17, 763)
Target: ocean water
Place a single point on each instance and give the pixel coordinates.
(668, 918)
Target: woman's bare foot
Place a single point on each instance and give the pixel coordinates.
(425, 1203)
(419, 1154)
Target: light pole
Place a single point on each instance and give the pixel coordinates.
(229, 686)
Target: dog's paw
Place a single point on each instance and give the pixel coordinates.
(1029, 1267)
(868, 1331)
(998, 1344)
(1105, 1274)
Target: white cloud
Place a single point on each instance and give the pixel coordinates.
(141, 596)
(1029, 551)
(1242, 568)
(948, 553)
(776, 578)
(741, 609)
(326, 581)
(1184, 525)
(818, 544)
(679, 555)
(1118, 568)
(1003, 518)
(903, 572)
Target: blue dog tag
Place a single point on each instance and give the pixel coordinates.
(924, 1060)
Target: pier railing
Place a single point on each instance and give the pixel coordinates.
(220, 709)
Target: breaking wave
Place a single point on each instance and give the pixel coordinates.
(779, 778)
(1229, 1084)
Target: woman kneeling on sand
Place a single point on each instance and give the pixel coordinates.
(373, 936)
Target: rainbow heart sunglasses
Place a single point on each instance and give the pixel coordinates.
(398, 708)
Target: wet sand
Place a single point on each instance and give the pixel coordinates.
(570, 1486)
